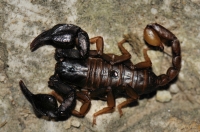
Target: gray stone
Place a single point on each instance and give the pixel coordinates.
(22, 20)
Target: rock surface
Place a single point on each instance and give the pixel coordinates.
(22, 20)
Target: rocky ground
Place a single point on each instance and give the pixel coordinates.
(22, 20)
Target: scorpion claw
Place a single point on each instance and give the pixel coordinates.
(43, 104)
(46, 105)
(40, 40)
(64, 36)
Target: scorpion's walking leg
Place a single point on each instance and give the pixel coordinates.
(125, 58)
(99, 46)
(133, 97)
(57, 96)
(109, 109)
(156, 35)
(145, 64)
(113, 59)
(86, 103)
(85, 100)
(99, 49)
(125, 54)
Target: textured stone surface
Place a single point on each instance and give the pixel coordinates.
(22, 20)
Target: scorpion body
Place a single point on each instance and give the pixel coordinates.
(96, 75)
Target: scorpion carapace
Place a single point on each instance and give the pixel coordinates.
(103, 76)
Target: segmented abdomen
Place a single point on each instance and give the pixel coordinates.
(101, 75)
(98, 74)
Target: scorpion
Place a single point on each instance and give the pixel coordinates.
(84, 74)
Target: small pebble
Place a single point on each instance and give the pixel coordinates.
(163, 96)
(174, 89)
(75, 123)
(67, 124)
(154, 11)
(2, 78)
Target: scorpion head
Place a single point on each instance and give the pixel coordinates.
(60, 36)
(72, 71)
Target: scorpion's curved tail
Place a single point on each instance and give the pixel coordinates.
(156, 35)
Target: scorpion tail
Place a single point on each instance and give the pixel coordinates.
(156, 35)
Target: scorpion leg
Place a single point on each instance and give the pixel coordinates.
(99, 49)
(125, 58)
(133, 97)
(124, 104)
(156, 35)
(57, 96)
(85, 106)
(86, 103)
(145, 64)
(125, 54)
(113, 59)
(99, 46)
(110, 103)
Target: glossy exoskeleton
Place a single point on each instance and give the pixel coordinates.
(98, 75)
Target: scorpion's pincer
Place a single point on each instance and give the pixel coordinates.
(43, 104)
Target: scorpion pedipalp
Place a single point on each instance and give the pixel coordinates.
(45, 105)
(65, 37)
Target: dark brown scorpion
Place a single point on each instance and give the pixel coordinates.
(84, 74)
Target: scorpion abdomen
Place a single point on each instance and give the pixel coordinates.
(102, 75)
(143, 81)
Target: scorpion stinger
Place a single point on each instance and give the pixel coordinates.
(156, 35)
